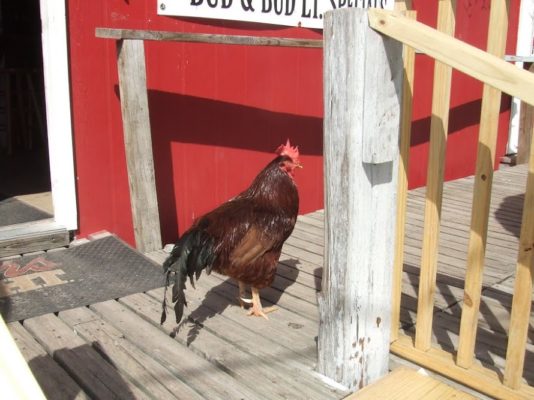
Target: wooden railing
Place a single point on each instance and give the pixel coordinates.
(377, 168)
(497, 76)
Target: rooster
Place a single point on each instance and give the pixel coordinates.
(241, 238)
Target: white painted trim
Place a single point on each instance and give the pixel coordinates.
(16, 378)
(525, 34)
(58, 112)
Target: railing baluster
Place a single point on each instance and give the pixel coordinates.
(405, 133)
(487, 141)
(520, 319)
(434, 189)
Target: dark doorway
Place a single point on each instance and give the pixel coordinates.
(24, 164)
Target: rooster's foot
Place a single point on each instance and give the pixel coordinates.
(261, 312)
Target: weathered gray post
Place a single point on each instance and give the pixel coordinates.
(362, 96)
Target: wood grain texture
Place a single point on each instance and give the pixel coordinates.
(455, 53)
(16, 378)
(402, 189)
(526, 129)
(140, 367)
(54, 381)
(213, 383)
(482, 379)
(487, 142)
(407, 384)
(30, 237)
(96, 376)
(520, 318)
(355, 298)
(439, 125)
(138, 144)
(121, 34)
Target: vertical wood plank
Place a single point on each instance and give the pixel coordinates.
(138, 144)
(521, 303)
(487, 141)
(355, 301)
(402, 188)
(434, 187)
(526, 129)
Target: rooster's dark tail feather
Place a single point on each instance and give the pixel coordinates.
(191, 254)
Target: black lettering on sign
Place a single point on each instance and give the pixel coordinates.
(306, 10)
(247, 5)
(196, 2)
(267, 6)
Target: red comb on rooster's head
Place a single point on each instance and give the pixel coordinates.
(291, 152)
(288, 150)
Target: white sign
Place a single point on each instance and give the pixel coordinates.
(305, 13)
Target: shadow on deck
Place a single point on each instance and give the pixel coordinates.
(118, 349)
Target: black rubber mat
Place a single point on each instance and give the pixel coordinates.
(13, 211)
(99, 270)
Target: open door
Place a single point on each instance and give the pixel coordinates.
(37, 192)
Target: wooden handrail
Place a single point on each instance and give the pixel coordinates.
(459, 55)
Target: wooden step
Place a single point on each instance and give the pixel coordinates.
(406, 383)
(32, 236)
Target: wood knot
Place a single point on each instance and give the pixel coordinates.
(483, 177)
(467, 300)
(382, 21)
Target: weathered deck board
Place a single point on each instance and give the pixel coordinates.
(92, 372)
(54, 381)
(118, 348)
(140, 367)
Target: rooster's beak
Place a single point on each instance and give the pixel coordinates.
(299, 165)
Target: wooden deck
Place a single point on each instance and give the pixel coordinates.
(117, 349)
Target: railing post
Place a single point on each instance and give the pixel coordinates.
(362, 86)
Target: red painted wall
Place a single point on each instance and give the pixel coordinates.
(217, 112)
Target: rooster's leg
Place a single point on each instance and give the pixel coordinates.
(242, 294)
(257, 310)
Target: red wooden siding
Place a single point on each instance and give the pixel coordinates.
(218, 112)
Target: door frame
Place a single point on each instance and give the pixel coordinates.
(58, 112)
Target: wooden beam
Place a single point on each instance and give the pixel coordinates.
(521, 304)
(455, 53)
(138, 145)
(402, 188)
(487, 142)
(120, 34)
(439, 125)
(483, 379)
(355, 300)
